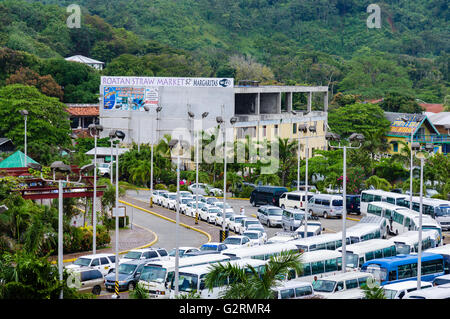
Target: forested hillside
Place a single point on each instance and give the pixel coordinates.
(325, 42)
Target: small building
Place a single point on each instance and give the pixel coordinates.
(6, 145)
(419, 125)
(82, 115)
(16, 160)
(440, 120)
(98, 65)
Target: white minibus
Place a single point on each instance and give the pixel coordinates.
(438, 292)
(294, 199)
(156, 275)
(317, 264)
(329, 241)
(326, 205)
(408, 242)
(330, 285)
(377, 195)
(261, 252)
(359, 253)
(439, 209)
(444, 251)
(399, 289)
(192, 279)
(361, 232)
(293, 289)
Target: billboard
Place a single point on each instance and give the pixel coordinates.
(132, 93)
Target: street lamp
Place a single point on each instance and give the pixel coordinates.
(94, 130)
(64, 169)
(120, 135)
(172, 145)
(158, 109)
(355, 137)
(428, 148)
(192, 116)
(24, 113)
(406, 120)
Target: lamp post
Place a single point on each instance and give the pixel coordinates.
(120, 135)
(192, 116)
(414, 148)
(172, 144)
(406, 120)
(24, 113)
(94, 130)
(61, 168)
(158, 109)
(355, 137)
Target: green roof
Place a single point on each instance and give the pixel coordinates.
(16, 159)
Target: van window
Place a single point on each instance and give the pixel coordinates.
(287, 293)
(104, 261)
(293, 197)
(326, 202)
(112, 258)
(303, 291)
(337, 202)
(95, 262)
(351, 283)
(162, 252)
(318, 201)
(150, 254)
(307, 269)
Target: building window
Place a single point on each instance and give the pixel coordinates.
(395, 146)
(264, 130)
(294, 128)
(276, 130)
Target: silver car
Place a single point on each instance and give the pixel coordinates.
(270, 215)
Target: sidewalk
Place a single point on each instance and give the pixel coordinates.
(128, 239)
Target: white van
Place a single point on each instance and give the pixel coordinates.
(326, 205)
(327, 286)
(294, 289)
(291, 219)
(294, 199)
(438, 292)
(399, 289)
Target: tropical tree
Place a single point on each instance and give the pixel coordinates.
(287, 152)
(378, 183)
(375, 292)
(247, 282)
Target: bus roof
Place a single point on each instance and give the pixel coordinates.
(406, 285)
(346, 275)
(322, 238)
(318, 255)
(361, 229)
(292, 284)
(443, 250)
(204, 269)
(383, 193)
(438, 292)
(411, 236)
(260, 249)
(368, 245)
(402, 259)
(190, 260)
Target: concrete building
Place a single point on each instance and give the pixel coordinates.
(262, 112)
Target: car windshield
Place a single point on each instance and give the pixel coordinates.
(232, 241)
(214, 210)
(275, 212)
(153, 273)
(221, 205)
(238, 219)
(228, 215)
(133, 255)
(185, 200)
(174, 196)
(212, 200)
(82, 262)
(443, 211)
(127, 269)
(251, 235)
(208, 248)
(173, 252)
(252, 222)
(324, 285)
(390, 293)
(298, 216)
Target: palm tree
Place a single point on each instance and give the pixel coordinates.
(287, 152)
(139, 292)
(375, 292)
(247, 283)
(378, 183)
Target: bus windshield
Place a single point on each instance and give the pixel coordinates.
(352, 260)
(377, 271)
(390, 293)
(153, 273)
(443, 211)
(324, 285)
(186, 282)
(402, 248)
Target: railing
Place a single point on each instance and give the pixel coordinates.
(435, 139)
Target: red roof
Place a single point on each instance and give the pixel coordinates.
(434, 108)
(83, 110)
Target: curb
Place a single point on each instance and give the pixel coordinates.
(168, 219)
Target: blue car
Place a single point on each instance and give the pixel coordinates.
(129, 274)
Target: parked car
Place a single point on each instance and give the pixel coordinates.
(204, 189)
(256, 237)
(212, 200)
(237, 241)
(171, 196)
(296, 200)
(228, 208)
(87, 280)
(245, 222)
(105, 263)
(157, 196)
(144, 253)
(208, 214)
(441, 280)
(104, 169)
(235, 222)
(220, 218)
(267, 195)
(192, 209)
(260, 228)
(326, 205)
(399, 289)
(183, 203)
(162, 197)
(182, 251)
(291, 219)
(211, 247)
(128, 275)
(294, 289)
(314, 228)
(270, 215)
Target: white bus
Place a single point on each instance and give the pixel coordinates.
(330, 241)
(402, 219)
(261, 252)
(156, 275)
(362, 232)
(293, 289)
(359, 253)
(192, 279)
(443, 250)
(439, 209)
(318, 264)
(377, 195)
(328, 286)
(438, 292)
(408, 242)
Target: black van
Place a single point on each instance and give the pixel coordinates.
(353, 204)
(267, 195)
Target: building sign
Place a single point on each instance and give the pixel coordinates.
(132, 93)
(399, 126)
